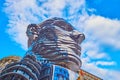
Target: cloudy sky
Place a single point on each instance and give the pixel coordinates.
(99, 20)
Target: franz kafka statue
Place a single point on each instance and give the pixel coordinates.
(53, 41)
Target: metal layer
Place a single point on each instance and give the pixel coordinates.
(57, 41)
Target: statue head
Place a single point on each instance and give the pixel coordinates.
(57, 41)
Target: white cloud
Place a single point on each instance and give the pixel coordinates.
(105, 74)
(91, 10)
(25, 12)
(97, 29)
(102, 30)
(93, 54)
(91, 49)
(105, 63)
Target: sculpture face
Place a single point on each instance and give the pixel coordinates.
(56, 41)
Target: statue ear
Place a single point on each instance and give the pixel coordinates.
(32, 33)
(77, 36)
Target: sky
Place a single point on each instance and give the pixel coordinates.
(99, 20)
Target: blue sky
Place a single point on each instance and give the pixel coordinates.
(106, 8)
(99, 20)
(8, 46)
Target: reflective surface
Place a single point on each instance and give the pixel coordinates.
(53, 42)
(56, 41)
(61, 73)
(8, 60)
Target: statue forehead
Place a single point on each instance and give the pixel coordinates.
(61, 23)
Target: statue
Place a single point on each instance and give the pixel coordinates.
(53, 41)
(56, 41)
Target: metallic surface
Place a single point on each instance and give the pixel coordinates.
(8, 60)
(54, 42)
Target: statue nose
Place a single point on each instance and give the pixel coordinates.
(77, 36)
(80, 38)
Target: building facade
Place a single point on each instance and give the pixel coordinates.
(53, 54)
(84, 75)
